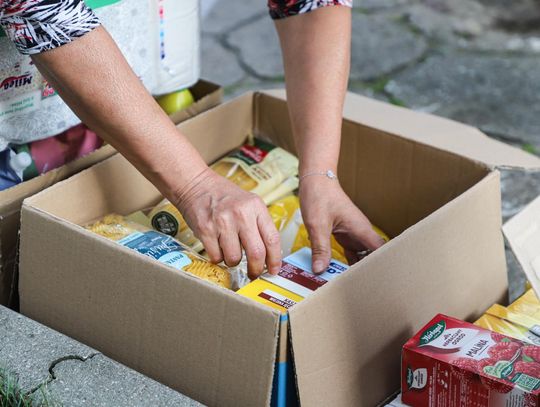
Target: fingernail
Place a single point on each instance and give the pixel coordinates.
(318, 267)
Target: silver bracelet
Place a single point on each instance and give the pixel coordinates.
(328, 174)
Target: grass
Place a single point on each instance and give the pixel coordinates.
(530, 149)
(11, 394)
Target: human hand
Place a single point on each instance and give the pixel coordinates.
(326, 210)
(226, 219)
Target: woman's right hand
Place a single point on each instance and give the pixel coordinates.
(226, 219)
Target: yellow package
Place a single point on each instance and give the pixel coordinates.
(270, 294)
(257, 166)
(501, 326)
(165, 218)
(288, 220)
(527, 304)
(161, 247)
(520, 326)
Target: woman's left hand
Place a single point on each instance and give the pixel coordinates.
(326, 210)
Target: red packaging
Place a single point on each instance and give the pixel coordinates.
(453, 363)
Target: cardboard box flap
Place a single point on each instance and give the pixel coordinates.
(347, 337)
(523, 234)
(441, 133)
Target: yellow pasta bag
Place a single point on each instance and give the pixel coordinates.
(161, 247)
(288, 220)
(527, 304)
(257, 166)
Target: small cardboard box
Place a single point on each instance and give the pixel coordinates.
(206, 95)
(430, 183)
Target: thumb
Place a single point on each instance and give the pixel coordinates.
(320, 247)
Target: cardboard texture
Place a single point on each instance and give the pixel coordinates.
(442, 210)
(206, 94)
(523, 234)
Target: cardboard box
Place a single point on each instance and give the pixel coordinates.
(430, 183)
(206, 94)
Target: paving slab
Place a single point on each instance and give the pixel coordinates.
(60, 371)
(219, 65)
(225, 15)
(100, 382)
(262, 53)
(497, 94)
(382, 45)
(27, 349)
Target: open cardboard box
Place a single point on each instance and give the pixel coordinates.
(206, 95)
(523, 234)
(430, 183)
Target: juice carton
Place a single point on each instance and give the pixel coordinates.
(453, 363)
(294, 282)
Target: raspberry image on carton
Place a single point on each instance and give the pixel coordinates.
(453, 363)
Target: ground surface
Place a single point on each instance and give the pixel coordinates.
(475, 61)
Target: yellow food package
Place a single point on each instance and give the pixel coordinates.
(519, 326)
(165, 218)
(288, 220)
(501, 326)
(269, 294)
(527, 304)
(257, 166)
(161, 247)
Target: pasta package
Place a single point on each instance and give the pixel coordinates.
(288, 220)
(166, 219)
(161, 247)
(527, 304)
(520, 326)
(258, 167)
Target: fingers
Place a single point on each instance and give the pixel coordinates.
(370, 239)
(255, 250)
(271, 240)
(230, 245)
(319, 235)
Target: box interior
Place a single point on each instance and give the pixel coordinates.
(396, 182)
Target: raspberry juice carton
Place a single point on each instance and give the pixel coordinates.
(453, 363)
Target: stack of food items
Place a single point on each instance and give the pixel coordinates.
(259, 167)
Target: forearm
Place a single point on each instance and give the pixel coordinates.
(94, 79)
(316, 55)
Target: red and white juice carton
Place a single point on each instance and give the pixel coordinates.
(454, 363)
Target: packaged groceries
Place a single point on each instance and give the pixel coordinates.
(160, 247)
(258, 166)
(527, 304)
(288, 220)
(505, 321)
(293, 283)
(450, 362)
(166, 219)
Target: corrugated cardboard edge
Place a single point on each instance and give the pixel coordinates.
(438, 132)
(476, 214)
(39, 303)
(522, 233)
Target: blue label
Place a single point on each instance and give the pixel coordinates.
(158, 246)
